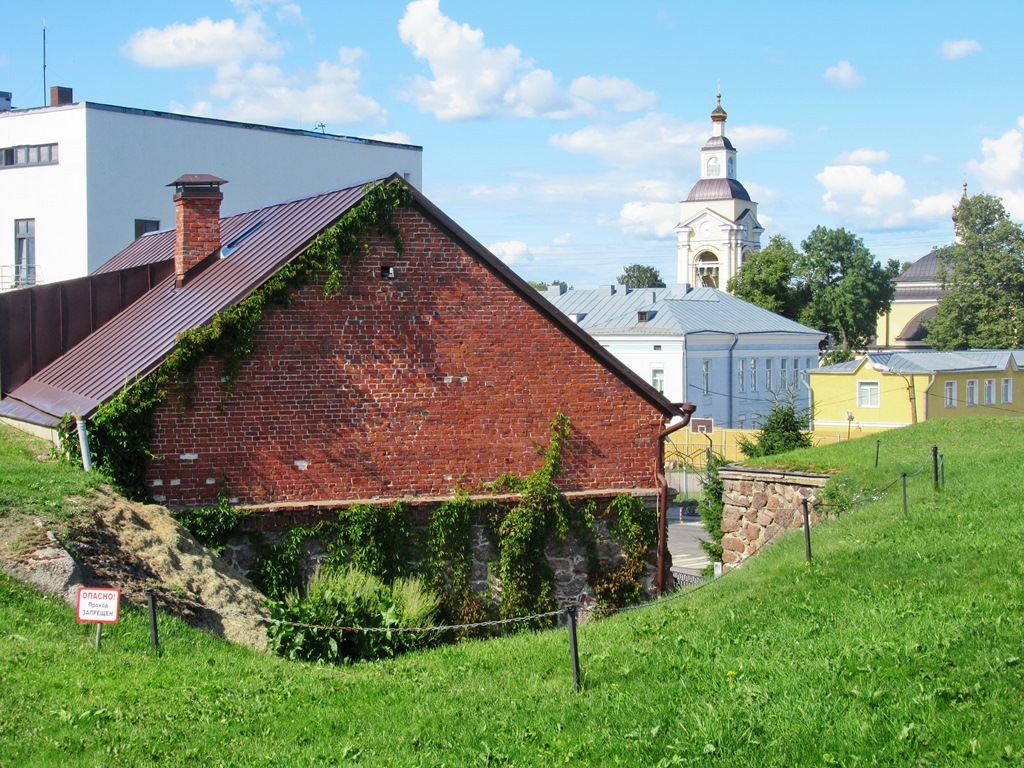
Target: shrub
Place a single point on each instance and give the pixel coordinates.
(711, 507)
(636, 530)
(352, 598)
(211, 526)
(782, 430)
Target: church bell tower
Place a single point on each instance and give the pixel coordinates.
(718, 221)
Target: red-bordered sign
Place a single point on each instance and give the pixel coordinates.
(99, 605)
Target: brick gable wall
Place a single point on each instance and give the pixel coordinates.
(407, 387)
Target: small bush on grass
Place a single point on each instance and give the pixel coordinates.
(212, 526)
(711, 508)
(351, 598)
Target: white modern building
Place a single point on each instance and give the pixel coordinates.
(80, 181)
(718, 224)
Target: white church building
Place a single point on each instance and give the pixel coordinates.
(80, 180)
(693, 341)
(718, 220)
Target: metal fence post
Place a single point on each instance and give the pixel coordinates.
(904, 476)
(878, 447)
(807, 531)
(942, 468)
(935, 467)
(154, 639)
(570, 611)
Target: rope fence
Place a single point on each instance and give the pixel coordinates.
(686, 585)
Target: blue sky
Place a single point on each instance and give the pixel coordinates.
(562, 134)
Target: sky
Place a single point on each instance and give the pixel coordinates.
(563, 134)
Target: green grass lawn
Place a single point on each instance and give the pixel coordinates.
(901, 645)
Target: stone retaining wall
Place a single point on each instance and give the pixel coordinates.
(760, 502)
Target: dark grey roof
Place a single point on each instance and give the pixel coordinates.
(717, 189)
(137, 340)
(925, 269)
(719, 142)
(911, 292)
(670, 311)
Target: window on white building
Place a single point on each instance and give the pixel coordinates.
(990, 391)
(796, 371)
(740, 375)
(972, 391)
(28, 154)
(783, 373)
(868, 394)
(705, 376)
(24, 252)
(951, 394)
(768, 374)
(1007, 394)
(658, 379)
(753, 374)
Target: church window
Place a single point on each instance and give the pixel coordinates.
(731, 168)
(714, 168)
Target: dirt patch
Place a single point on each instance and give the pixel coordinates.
(138, 547)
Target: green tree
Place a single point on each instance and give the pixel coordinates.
(541, 286)
(767, 279)
(846, 288)
(983, 307)
(782, 430)
(641, 276)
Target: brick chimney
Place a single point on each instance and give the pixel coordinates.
(197, 199)
(60, 95)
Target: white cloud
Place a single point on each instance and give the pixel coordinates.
(512, 252)
(470, 80)
(649, 219)
(863, 156)
(927, 159)
(864, 198)
(265, 93)
(1002, 163)
(562, 240)
(958, 49)
(657, 139)
(934, 207)
(844, 75)
(203, 43)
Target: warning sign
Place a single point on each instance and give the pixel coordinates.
(97, 605)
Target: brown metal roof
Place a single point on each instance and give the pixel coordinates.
(137, 340)
(258, 243)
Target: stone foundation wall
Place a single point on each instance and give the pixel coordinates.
(567, 559)
(759, 503)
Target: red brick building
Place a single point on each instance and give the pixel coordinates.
(431, 370)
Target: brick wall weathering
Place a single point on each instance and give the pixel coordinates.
(438, 378)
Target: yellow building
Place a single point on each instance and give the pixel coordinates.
(883, 390)
(918, 289)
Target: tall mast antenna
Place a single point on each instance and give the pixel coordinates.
(44, 63)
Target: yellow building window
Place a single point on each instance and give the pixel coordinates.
(868, 394)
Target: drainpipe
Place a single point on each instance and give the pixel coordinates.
(83, 444)
(688, 411)
(732, 372)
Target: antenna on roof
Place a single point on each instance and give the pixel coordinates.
(322, 128)
(44, 62)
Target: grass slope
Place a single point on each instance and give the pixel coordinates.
(900, 645)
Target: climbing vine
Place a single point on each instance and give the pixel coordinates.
(375, 540)
(542, 514)
(121, 431)
(636, 530)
